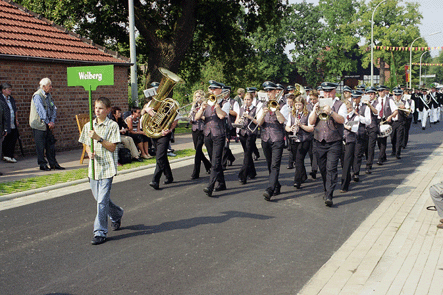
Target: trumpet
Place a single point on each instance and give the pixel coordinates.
(212, 99)
(273, 105)
(323, 116)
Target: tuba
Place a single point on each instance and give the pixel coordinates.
(166, 109)
(299, 90)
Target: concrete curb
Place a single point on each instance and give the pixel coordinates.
(80, 181)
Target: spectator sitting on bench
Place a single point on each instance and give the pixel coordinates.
(126, 140)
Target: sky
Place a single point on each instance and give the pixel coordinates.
(432, 11)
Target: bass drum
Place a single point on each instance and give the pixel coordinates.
(385, 130)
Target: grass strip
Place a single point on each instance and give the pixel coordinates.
(71, 175)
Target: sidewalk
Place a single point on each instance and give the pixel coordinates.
(397, 249)
(28, 167)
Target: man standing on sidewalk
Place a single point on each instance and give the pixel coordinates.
(436, 192)
(10, 112)
(42, 121)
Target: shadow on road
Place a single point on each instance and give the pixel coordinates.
(141, 229)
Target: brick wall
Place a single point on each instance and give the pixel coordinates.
(24, 76)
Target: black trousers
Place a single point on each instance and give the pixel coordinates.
(45, 145)
(227, 153)
(372, 140)
(397, 137)
(199, 138)
(328, 154)
(406, 132)
(313, 156)
(415, 116)
(214, 145)
(273, 153)
(248, 168)
(348, 159)
(161, 144)
(382, 144)
(291, 157)
(299, 151)
(360, 147)
(9, 142)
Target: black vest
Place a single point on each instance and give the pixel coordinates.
(329, 130)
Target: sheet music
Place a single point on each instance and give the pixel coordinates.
(150, 92)
(325, 101)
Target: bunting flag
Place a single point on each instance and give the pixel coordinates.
(426, 64)
(390, 48)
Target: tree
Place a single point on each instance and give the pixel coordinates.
(340, 37)
(170, 31)
(395, 25)
(304, 29)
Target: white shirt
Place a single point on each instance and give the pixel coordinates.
(366, 118)
(392, 105)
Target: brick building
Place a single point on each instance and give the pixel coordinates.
(32, 48)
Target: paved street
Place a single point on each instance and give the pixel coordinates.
(178, 241)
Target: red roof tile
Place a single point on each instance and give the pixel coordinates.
(23, 34)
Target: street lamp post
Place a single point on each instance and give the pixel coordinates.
(410, 57)
(419, 85)
(372, 43)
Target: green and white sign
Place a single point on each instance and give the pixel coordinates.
(91, 77)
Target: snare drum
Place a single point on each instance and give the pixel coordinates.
(385, 130)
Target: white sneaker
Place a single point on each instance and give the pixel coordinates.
(9, 160)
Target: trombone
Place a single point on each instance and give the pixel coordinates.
(262, 102)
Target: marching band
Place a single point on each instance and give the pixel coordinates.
(315, 122)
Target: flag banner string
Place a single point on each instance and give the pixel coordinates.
(427, 64)
(395, 48)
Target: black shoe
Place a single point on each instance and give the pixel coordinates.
(252, 176)
(137, 159)
(368, 170)
(328, 202)
(242, 181)
(220, 187)
(58, 167)
(290, 167)
(208, 191)
(98, 240)
(356, 178)
(256, 157)
(297, 185)
(398, 157)
(423, 128)
(380, 163)
(45, 168)
(1, 173)
(208, 171)
(343, 190)
(116, 225)
(195, 177)
(154, 185)
(230, 162)
(277, 191)
(313, 174)
(168, 181)
(267, 196)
